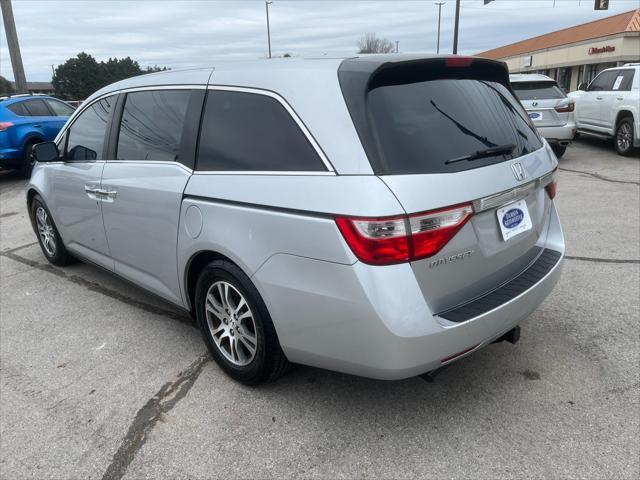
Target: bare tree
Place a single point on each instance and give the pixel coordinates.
(370, 43)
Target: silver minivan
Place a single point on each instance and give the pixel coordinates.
(381, 215)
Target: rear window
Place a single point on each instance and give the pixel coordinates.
(426, 127)
(537, 90)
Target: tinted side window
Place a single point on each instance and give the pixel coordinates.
(18, 109)
(151, 125)
(252, 132)
(37, 108)
(604, 81)
(59, 108)
(86, 135)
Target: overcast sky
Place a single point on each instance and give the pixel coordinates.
(180, 34)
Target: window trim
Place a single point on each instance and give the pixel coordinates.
(330, 171)
(231, 88)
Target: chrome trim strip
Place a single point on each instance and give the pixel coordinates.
(292, 113)
(512, 195)
(275, 173)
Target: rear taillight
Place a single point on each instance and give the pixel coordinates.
(552, 186)
(569, 107)
(390, 240)
(5, 125)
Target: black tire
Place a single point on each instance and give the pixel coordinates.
(623, 139)
(58, 255)
(559, 150)
(269, 361)
(27, 162)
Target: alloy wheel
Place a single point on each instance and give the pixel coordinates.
(231, 323)
(46, 231)
(624, 137)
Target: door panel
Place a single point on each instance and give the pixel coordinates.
(78, 213)
(77, 205)
(141, 221)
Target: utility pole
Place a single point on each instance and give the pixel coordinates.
(455, 28)
(266, 5)
(397, 46)
(14, 46)
(439, 4)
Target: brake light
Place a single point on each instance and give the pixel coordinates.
(569, 107)
(458, 61)
(5, 125)
(552, 186)
(391, 240)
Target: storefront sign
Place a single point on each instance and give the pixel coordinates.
(596, 50)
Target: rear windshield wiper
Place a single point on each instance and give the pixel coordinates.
(487, 152)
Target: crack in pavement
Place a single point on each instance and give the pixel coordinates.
(21, 247)
(148, 416)
(8, 214)
(598, 176)
(601, 260)
(96, 287)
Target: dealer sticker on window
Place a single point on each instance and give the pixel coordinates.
(535, 115)
(514, 219)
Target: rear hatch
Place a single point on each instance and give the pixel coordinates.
(446, 132)
(546, 104)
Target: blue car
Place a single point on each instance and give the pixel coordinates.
(24, 121)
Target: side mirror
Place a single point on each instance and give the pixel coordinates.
(583, 86)
(46, 152)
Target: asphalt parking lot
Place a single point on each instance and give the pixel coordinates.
(100, 380)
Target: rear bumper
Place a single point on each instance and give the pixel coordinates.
(558, 135)
(375, 321)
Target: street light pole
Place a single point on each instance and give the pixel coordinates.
(266, 5)
(455, 28)
(397, 46)
(439, 4)
(14, 46)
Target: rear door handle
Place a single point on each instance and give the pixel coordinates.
(106, 195)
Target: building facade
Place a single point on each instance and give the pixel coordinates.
(577, 54)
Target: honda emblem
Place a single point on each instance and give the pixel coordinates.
(518, 171)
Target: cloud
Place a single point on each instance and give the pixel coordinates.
(182, 34)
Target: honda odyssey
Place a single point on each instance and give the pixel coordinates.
(381, 216)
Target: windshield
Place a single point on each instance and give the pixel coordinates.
(420, 127)
(537, 90)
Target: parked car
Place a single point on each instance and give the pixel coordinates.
(395, 220)
(24, 121)
(608, 107)
(548, 107)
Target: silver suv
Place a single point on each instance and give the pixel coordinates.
(609, 107)
(381, 216)
(548, 107)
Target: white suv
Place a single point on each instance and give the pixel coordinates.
(609, 107)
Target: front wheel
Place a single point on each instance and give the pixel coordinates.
(236, 325)
(48, 236)
(624, 137)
